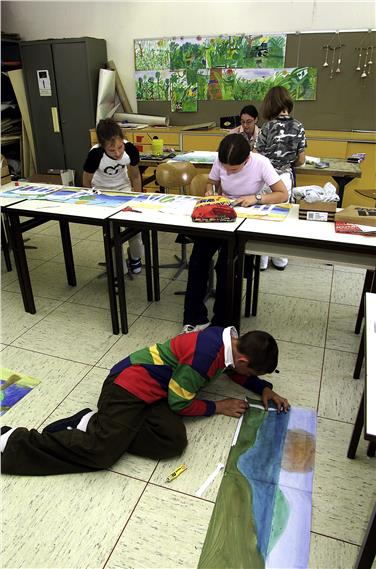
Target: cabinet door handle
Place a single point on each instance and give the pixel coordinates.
(55, 119)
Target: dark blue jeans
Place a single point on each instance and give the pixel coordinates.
(195, 311)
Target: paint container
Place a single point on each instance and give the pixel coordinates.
(157, 146)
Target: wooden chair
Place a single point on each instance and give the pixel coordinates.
(172, 175)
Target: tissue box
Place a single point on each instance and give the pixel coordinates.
(317, 211)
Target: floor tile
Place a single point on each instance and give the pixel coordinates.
(15, 321)
(86, 254)
(340, 393)
(209, 442)
(77, 230)
(11, 277)
(95, 294)
(72, 331)
(343, 488)
(296, 281)
(290, 319)
(65, 521)
(50, 280)
(144, 332)
(48, 247)
(57, 378)
(327, 553)
(166, 530)
(85, 395)
(347, 287)
(341, 326)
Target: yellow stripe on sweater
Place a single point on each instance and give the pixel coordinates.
(180, 391)
(157, 360)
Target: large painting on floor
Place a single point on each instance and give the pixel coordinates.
(262, 516)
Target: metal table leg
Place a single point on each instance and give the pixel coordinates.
(68, 254)
(17, 243)
(111, 276)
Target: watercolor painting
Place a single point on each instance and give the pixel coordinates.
(183, 93)
(244, 51)
(253, 84)
(262, 515)
(28, 192)
(187, 53)
(153, 85)
(216, 84)
(14, 386)
(152, 54)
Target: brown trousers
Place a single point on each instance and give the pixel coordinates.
(123, 423)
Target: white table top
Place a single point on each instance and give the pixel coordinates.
(370, 426)
(292, 226)
(179, 221)
(4, 202)
(68, 209)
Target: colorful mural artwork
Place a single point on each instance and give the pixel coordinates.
(217, 68)
(183, 91)
(14, 386)
(262, 514)
(153, 85)
(152, 54)
(253, 84)
(246, 51)
(187, 53)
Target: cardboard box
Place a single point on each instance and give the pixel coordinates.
(317, 211)
(63, 177)
(358, 215)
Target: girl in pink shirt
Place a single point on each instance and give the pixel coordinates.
(240, 174)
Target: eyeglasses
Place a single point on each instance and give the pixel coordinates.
(248, 122)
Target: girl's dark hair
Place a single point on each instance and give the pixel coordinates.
(233, 150)
(261, 349)
(249, 110)
(108, 130)
(276, 100)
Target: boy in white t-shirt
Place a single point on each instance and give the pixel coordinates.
(113, 165)
(239, 174)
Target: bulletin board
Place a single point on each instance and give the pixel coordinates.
(341, 100)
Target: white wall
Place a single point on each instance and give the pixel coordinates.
(119, 23)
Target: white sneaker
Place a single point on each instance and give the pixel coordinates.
(280, 263)
(189, 328)
(264, 262)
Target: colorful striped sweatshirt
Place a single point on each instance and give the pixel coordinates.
(177, 369)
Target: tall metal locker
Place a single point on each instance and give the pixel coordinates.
(61, 77)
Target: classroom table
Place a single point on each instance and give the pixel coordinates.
(296, 237)
(155, 221)
(366, 417)
(339, 169)
(4, 202)
(41, 211)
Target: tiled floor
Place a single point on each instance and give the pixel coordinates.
(128, 517)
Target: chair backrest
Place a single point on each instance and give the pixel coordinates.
(175, 174)
(198, 185)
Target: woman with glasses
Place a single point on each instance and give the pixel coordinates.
(239, 174)
(248, 125)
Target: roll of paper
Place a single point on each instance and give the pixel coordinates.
(141, 119)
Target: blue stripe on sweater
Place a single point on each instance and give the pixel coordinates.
(209, 342)
(121, 365)
(161, 373)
